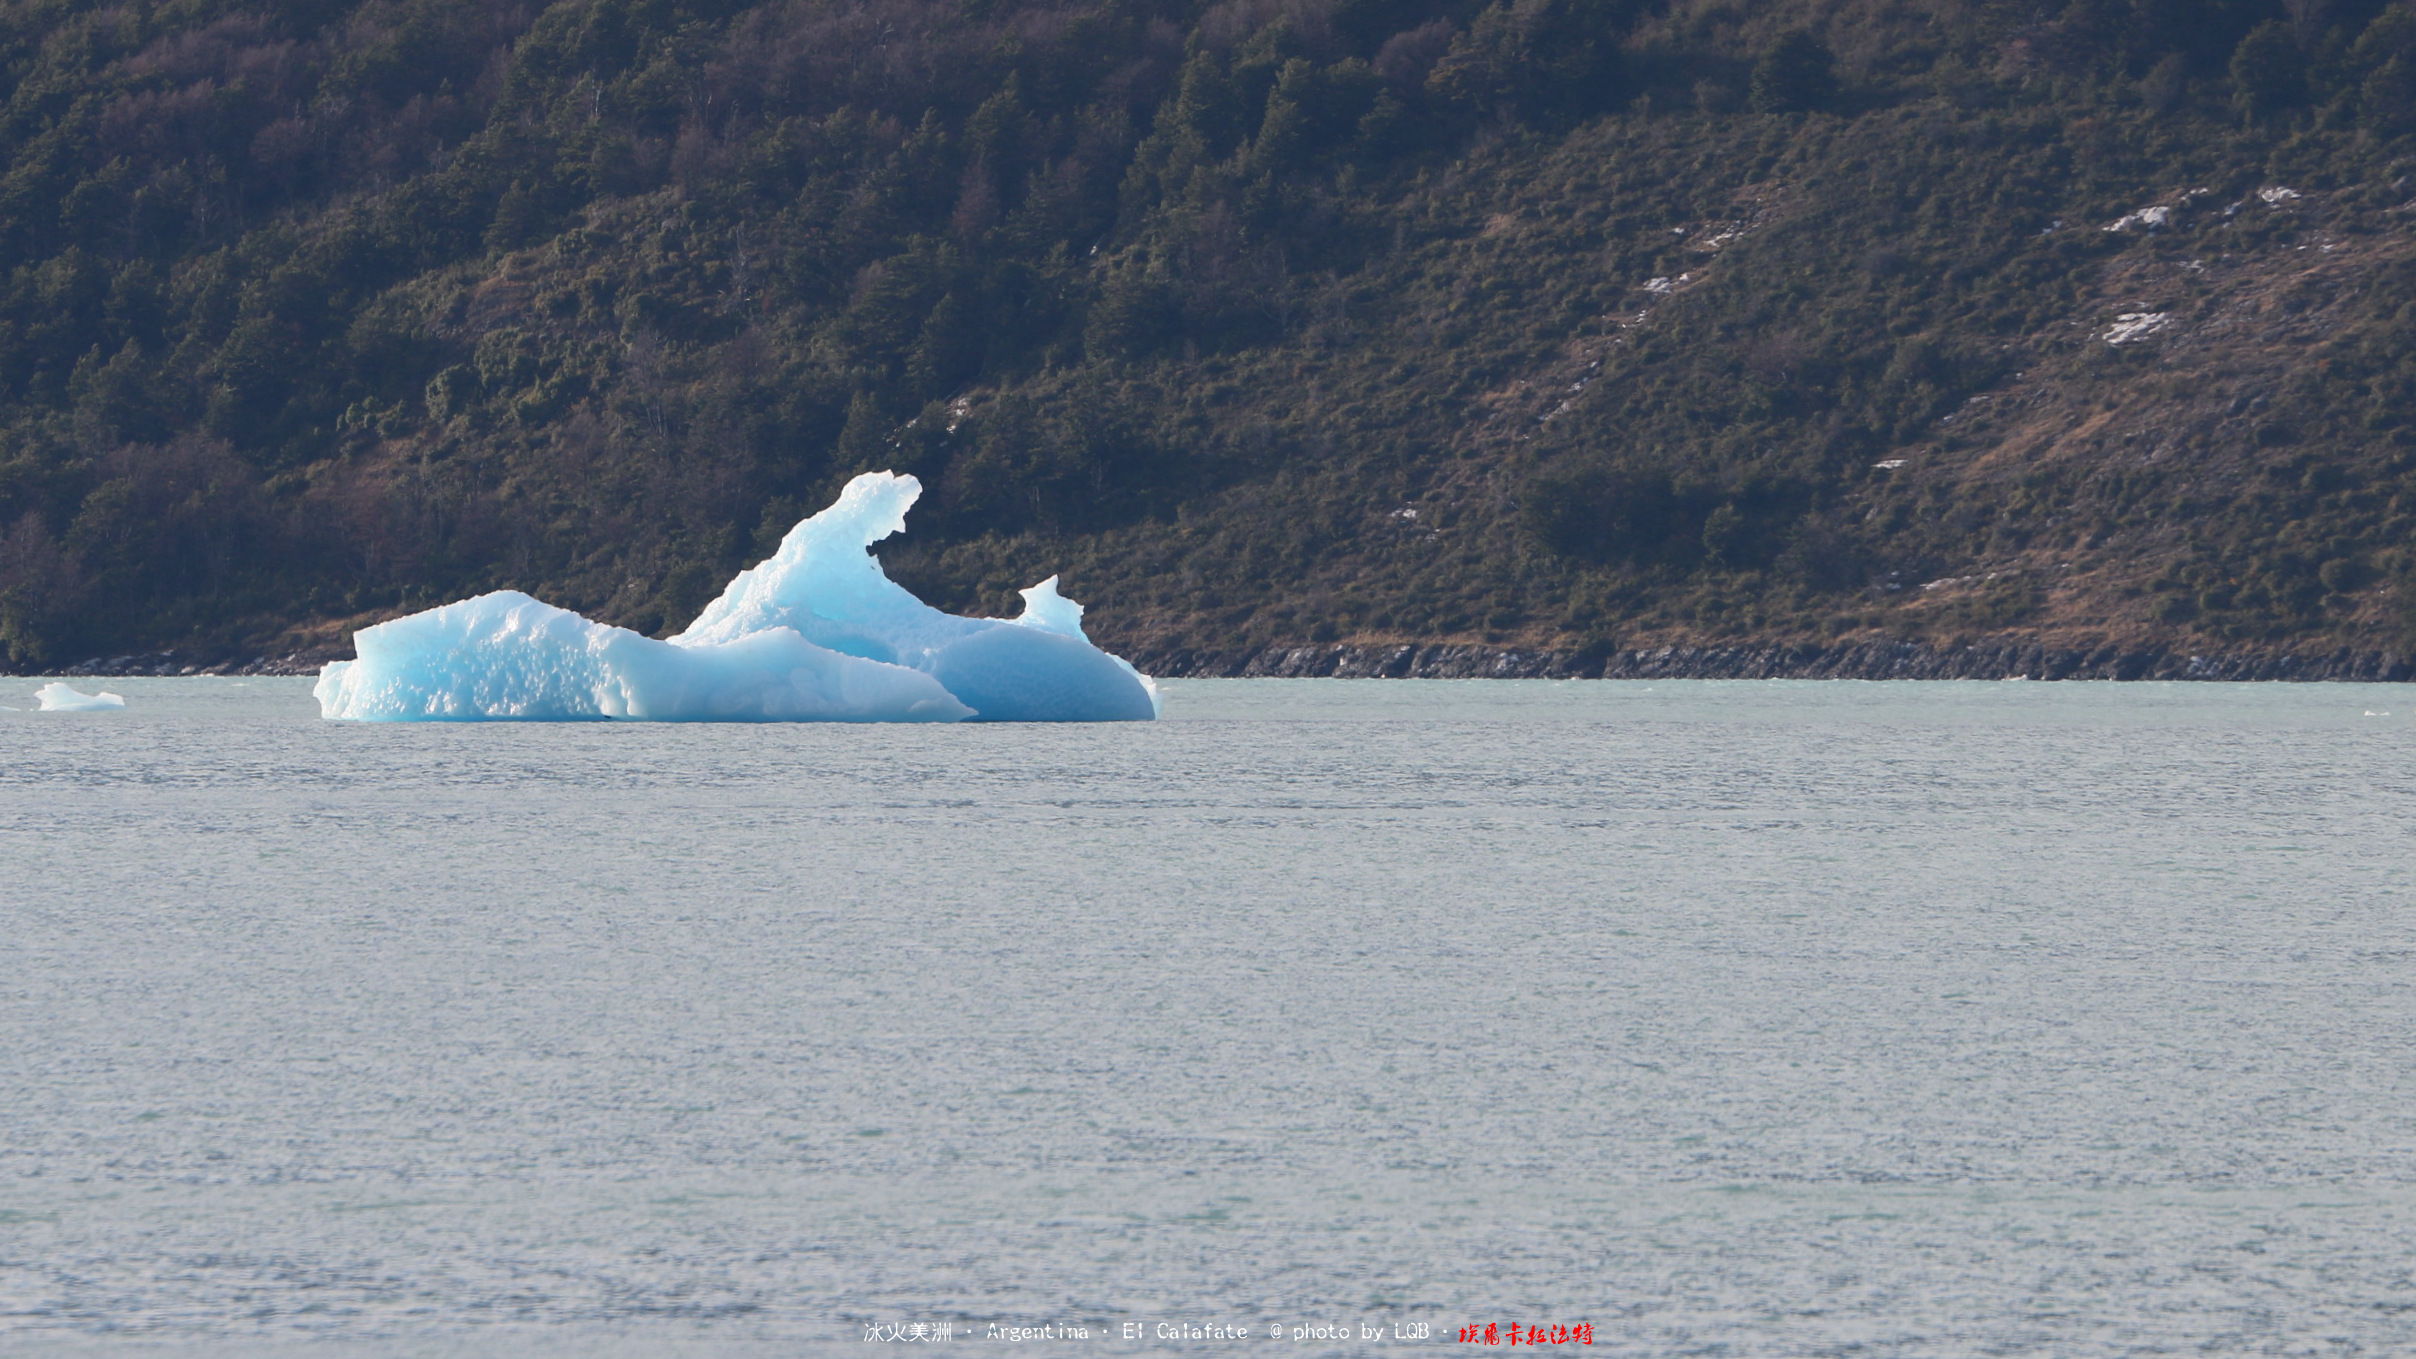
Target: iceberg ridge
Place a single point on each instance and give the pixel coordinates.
(62, 698)
(814, 633)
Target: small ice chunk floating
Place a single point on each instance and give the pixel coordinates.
(60, 698)
(815, 633)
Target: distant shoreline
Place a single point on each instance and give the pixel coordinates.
(1878, 660)
(177, 664)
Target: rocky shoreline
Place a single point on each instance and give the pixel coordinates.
(1849, 660)
(169, 664)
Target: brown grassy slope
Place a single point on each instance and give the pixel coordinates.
(2214, 485)
(2112, 455)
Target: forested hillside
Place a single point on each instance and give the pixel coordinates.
(1558, 324)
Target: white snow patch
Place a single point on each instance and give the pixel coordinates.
(1890, 465)
(2277, 195)
(2137, 325)
(2146, 219)
(59, 698)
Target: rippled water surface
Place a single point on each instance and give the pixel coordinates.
(1728, 1018)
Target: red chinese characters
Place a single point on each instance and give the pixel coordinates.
(1517, 1334)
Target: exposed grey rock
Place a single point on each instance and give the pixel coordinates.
(1849, 660)
(185, 663)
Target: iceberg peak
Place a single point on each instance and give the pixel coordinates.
(1050, 611)
(824, 565)
(814, 632)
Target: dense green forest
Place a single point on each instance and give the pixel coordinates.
(1555, 323)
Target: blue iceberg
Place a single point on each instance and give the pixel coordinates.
(815, 633)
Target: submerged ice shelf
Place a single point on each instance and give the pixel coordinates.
(815, 633)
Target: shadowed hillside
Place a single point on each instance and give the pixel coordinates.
(1574, 326)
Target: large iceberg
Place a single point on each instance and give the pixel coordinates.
(815, 633)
